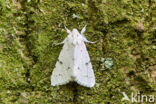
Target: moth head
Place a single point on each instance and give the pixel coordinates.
(75, 33)
(75, 37)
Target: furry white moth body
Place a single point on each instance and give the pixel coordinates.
(74, 62)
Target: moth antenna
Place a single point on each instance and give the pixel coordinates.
(83, 30)
(68, 31)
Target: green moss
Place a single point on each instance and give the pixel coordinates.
(12, 65)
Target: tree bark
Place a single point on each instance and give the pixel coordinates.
(123, 58)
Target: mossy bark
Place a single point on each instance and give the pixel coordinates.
(125, 31)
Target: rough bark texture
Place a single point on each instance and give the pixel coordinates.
(123, 58)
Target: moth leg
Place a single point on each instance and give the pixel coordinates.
(89, 41)
(82, 33)
(60, 42)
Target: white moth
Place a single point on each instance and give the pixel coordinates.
(74, 62)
